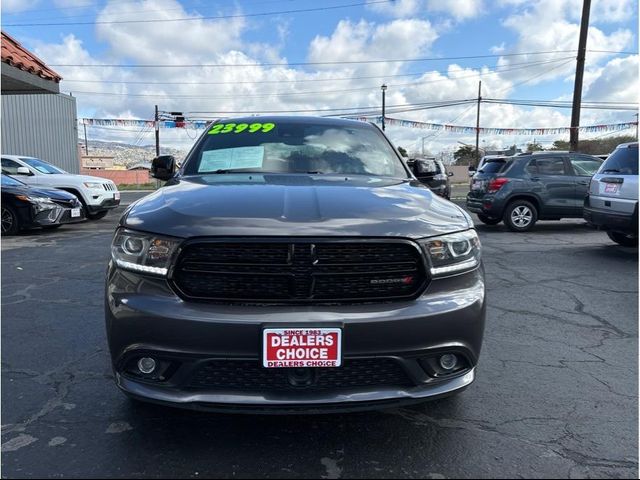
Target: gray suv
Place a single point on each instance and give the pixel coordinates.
(293, 264)
(523, 189)
(612, 202)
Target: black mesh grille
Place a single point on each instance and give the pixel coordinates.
(303, 272)
(250, 376)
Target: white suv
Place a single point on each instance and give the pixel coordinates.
(97, 195)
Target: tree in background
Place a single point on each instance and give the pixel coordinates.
(597, 146)
(465, 155)
(534, 147)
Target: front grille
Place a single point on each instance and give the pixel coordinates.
(66, 203)
(109, 186)
(299, 272)
(250, 376)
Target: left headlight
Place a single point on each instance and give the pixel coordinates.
(143, 252)
(94, 185)
(454, 253)
(33, 198)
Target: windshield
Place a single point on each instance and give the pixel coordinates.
(295, 147)
(623, 161)
(8, 181)
(42, 167)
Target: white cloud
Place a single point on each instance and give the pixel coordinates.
(458, 9)
(259, 87)
(617, 82)
(174, 42)
(557, 29)
(16, 6)
(407, 38)
(397, 8)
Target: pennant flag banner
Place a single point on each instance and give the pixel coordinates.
(611, 127)
(114, 122)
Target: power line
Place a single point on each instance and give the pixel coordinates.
(190, 19)
(96, 5)
(497, 69)
(287, 94)
(289, 64)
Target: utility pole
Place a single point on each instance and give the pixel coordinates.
(384, 89)
(86, 144)
(478, 123)
(577, 88)
(157, 124)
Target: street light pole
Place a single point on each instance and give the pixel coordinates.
(384, 89)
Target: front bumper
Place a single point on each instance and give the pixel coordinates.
(54, 215)
(145, 318)
(106, 204)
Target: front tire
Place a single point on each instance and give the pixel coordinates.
(10, 223)
(488, 220)
(520, 216)
(623, 239)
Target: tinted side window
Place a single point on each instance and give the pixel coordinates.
(623, 161)
(492, 167)
(550, 166)
(585, 166)
(532, 168)
(9, 166)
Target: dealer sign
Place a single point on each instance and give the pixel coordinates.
(301, 348)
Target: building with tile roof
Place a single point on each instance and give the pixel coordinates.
(37, 120)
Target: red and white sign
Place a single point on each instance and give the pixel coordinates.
(301, 347)
(611, 188)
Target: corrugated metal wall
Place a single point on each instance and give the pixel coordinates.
(43, 126)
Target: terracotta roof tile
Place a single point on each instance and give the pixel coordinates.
(17, 56)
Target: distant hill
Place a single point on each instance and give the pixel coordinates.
(127, 155)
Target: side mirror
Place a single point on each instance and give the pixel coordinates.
(450, 174)
(24, 171)
(472, 170)
(426, 167)
(163, 167)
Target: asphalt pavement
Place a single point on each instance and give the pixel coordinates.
(556, 393)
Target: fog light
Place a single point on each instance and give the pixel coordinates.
(146, 365)
(448, 361)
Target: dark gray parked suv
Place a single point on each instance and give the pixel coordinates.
(523, 189)
(293, 264)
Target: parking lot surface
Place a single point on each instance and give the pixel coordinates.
(556, 393)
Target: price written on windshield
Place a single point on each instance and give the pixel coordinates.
(241, 127)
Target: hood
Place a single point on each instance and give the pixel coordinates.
(72, 179)
(52, 193)
(298, 205)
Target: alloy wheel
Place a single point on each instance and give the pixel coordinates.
(7, 220)
(521, 216)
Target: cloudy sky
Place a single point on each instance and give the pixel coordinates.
(272, 55)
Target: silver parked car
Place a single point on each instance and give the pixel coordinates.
(612, 201)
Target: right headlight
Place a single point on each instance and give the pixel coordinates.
(143, 252)
(452, 254)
